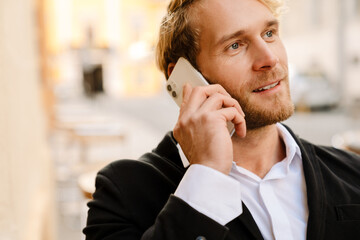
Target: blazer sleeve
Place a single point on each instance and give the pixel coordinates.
(177, 220)
(133, 211)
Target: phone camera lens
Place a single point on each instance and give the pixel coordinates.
(174, 94)
(169, 88)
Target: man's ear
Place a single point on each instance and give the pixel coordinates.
(170, 68)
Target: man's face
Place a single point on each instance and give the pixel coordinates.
(240, 49)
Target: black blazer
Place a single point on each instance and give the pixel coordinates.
(133, 199)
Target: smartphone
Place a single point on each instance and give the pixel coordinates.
(183, 73)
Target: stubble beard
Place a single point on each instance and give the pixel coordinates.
(257, 116)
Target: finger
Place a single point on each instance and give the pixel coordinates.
(232, 115)
(201, 93)
(240, 129)
(217, 101)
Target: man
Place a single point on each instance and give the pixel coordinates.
(262, 182)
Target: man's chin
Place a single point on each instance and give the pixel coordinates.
(256, 119)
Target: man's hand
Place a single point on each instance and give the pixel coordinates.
(201, 129)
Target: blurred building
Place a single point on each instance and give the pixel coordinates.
(115, 36)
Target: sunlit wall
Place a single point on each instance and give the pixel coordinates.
(26, 173)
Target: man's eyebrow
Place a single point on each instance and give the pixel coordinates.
(272, 23)
(236, 34)
(230, 36)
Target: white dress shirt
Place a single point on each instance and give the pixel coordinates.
(278, 202)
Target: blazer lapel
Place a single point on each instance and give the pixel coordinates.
(244, 227)
(247, 219)
(315, 190)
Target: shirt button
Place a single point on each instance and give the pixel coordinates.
(201, 238)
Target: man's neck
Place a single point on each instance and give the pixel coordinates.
(259, 150)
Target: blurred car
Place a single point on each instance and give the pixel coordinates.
(313, 91)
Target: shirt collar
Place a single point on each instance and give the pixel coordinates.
(291, 147)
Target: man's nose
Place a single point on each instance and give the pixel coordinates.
(264, 57)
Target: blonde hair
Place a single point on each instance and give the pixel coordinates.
(178, 36)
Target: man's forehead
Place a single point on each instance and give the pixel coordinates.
(221, 8)
(224, 17)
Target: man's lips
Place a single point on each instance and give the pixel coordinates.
(267, 87)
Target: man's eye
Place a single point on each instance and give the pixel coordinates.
(269, 34)
(235, 46)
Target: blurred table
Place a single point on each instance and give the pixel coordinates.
(87, 134)
(86, 131)
(86, 180)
